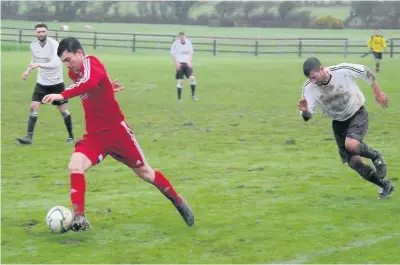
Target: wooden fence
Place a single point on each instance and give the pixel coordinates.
(135, 42)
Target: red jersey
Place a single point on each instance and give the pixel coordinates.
(94, 87)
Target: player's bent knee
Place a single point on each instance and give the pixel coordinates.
(145, 172)
(352, 145)
(79, 163)
(34, 106)
(63, 108)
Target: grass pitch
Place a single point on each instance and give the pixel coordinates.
(256, 199)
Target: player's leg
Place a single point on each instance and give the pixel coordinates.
(63, 108)
(88, 152)
(127, 150)
(357, 129)
(179, 77)
(190, 74)
(378, 57)
(378, 63)
(158, 179)
(355, 133)
(37, 97)
(354, 161)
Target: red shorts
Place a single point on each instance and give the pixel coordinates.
(119, 142)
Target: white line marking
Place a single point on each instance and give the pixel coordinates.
(329, 251)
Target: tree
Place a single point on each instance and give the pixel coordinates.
(370, 12)
(227, 8)
(267, 6)
(68, 10)
(249, 7)
(181, 9)
(285, 8)
(9, 8)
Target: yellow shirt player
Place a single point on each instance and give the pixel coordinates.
(376, 44)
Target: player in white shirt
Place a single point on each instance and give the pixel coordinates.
(335, 91)
(50, 80)
(182, 53)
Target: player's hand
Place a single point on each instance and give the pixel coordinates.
(178, 66)
(117, 86)
(50, 98)
(303, 105)
(25, 74)
(189, 64)
(34, 66)
(381, 99)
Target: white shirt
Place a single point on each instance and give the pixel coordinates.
(341, 98)
(50, 71)
(181, 51)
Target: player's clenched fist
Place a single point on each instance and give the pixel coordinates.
(50, 98)
(303, 105)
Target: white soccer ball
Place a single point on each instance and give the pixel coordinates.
(59, 219)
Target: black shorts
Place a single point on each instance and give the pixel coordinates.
(40, 91)
(377, 55)
(356, 128)
(184, 71)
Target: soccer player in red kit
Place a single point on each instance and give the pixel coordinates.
(106, 132)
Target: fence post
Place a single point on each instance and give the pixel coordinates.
(95, 41)
(215, 47)
(346, 47)
(133, 42)
(391, 48)
(256, 48)
(20, 36)
(300, 47)
(56, 35)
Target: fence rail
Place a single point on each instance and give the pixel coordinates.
(215, 45)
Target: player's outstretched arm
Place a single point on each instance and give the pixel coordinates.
(50, 98)
(306, 105)
(380, 97)
(364, 73)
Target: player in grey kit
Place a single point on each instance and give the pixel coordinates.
(335, 91)
(50, 80)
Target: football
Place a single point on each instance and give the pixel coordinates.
(59, 219)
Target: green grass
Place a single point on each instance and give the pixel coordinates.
(256, 200)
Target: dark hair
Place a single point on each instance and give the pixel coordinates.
(181, 33)
(41, 25)
(311, 64)
(69, 44)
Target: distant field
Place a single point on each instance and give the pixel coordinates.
(353, 34)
